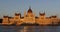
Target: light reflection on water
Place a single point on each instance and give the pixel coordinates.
(30, 28)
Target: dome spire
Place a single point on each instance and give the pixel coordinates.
(29, 7)
(29, 10)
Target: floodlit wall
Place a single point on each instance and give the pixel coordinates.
(5, 20)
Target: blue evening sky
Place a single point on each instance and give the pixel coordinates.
(9, 7)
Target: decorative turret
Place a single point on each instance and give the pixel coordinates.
(53, 16)
(42, 14)
(17, 18)
(5, 16)
(17, 14)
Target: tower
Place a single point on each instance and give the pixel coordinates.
(42, 18)
(11, 20)
(17, 18)
(5, 20)
(54, 19)
(42, 15)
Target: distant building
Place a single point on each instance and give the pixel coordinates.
(30, 18)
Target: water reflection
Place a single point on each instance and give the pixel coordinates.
(29, 28)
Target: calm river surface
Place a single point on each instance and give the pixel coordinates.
(29, 28)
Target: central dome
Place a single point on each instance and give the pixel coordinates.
(29, 10)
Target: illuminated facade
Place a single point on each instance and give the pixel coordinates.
(30, 18)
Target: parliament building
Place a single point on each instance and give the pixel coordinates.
(29, 17)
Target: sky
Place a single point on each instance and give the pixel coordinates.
(10, 7)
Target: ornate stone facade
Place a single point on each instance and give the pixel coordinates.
(30, 18)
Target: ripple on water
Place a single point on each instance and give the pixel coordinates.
(30, 28)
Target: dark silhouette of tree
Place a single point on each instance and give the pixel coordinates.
(0, 20)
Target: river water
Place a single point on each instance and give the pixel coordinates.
(29, 28)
